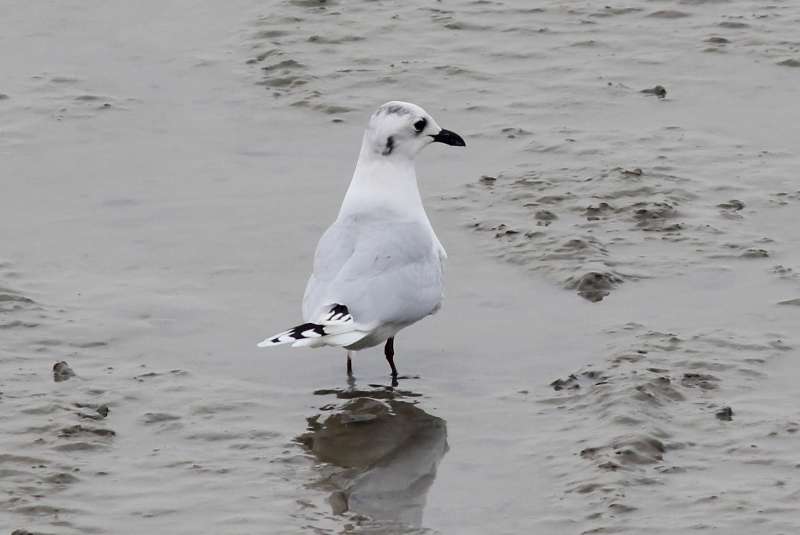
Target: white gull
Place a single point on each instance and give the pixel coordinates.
(378, 267)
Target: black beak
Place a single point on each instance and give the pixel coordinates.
(449, 138)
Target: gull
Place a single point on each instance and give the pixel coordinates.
(379, 267)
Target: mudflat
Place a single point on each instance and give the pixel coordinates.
(617, 350)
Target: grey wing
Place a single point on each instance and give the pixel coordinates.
(333, 250)
(384, 272)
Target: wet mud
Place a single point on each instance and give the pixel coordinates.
(591, 230)
(83, 429)
(170, 169)
(657, 415)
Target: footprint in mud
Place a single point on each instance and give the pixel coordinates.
(385, 453)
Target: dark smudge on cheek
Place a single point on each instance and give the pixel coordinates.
(389, 146)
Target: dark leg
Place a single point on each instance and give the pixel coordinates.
(388, 350)
(349, 366)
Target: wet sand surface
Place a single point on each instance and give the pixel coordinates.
(617, 351)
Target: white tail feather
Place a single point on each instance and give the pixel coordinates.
(335, 327)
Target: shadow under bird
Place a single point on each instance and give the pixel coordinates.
(378, 267)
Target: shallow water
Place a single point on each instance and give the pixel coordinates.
(168, 169)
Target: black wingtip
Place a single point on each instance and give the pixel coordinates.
(337, 312)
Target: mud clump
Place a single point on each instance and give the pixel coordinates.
(784, 272)
(654, 216)
(627, 450)
(658, 91)
(573, 381)
(544, 217)
(570, 383)
(755, 253)
(636, 171)
(699, 380)
(725, 414)
(512, 133)
(504, 230)
(62, 372)
(593, 286)
(600, 211)
(658, 391)
(99, 412)
(731, 205)
(283, 75)
(77, 430)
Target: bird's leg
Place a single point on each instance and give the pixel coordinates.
(388, 350)
(349, 366)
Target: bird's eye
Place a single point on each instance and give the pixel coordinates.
(420, 125)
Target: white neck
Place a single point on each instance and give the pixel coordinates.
(383, 185)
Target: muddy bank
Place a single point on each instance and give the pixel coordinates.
(590, 230)
(652, 425)
(94, 434)
(53, 421)
(508, 59)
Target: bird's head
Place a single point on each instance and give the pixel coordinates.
(401, 129)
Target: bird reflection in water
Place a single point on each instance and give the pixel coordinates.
(386, 451)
